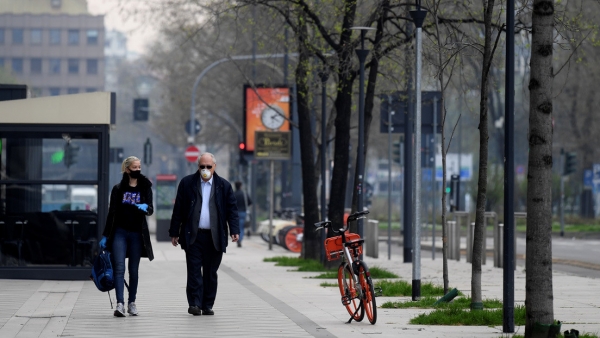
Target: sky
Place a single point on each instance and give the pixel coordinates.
(138, 33)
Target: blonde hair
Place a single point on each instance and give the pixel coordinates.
(127, 162)
(211, 155)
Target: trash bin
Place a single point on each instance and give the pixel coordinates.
(372, 238)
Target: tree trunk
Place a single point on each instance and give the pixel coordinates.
(478, 238)
(311, 242)
(343, 111)
(370, 98)
(538, 280)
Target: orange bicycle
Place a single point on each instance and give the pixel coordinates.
(354, 278)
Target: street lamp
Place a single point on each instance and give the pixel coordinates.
(418, 17)
(360, 167)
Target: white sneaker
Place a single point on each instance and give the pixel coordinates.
(132, 309)
(120, 310)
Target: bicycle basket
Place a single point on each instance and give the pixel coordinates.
(334, 249)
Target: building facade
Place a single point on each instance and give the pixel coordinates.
(55, 47)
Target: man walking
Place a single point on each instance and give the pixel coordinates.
(243, 201)
(205, 211)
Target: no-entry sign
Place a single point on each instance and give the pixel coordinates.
(192, 153)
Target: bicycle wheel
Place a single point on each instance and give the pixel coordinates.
(369, 294)
(350, 297)
(291, 239)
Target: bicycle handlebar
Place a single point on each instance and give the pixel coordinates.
(322, 224)
(353, 217)
(356, 215)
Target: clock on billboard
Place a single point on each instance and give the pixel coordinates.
(272, 117)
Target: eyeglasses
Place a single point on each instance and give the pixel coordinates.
(205, 166)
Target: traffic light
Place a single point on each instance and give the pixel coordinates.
(570, 163)
(397, 153)
(70, 155)
(454, 193)
(148, 152)
(140, 109)
(242, 159)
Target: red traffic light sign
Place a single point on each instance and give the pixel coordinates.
(192, 153)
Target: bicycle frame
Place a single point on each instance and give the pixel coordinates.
(350, 259)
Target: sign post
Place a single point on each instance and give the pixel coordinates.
(272, 145)
(192, 153)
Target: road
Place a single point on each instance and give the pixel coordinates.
(580, 257)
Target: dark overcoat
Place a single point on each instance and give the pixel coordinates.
(115, 199)
(183, 223)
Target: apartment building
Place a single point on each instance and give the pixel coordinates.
(55, 47)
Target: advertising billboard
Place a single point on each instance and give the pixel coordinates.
(265, 109)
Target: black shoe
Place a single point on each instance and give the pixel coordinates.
(208, 312)
(239, 244)
(194, 310)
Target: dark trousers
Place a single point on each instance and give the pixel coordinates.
(202, 260)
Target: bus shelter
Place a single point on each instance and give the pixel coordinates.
(53, 184)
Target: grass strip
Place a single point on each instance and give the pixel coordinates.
(403, 288)
(581, 335)
(376, 273)
(301, 263)
(453, 316)
(427, 302)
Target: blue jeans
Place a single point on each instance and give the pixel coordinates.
(126, 244)
(242, 216)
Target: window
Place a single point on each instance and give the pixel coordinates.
(90, 90)
(73, 37)
(36, 92)
(36, 66)
(36, 36)
(17, 65)
(92, 37)
(72, 90)
(1, 36)
(17, 36)
(73, 66)
(55, 36)
(54, 66)
(92, 66)
(54, 91)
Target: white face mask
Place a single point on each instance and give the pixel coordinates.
(205, 174)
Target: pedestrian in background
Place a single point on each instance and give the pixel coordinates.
(205, 212)
(243, 201)
(126, 232)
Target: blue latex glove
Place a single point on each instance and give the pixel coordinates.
(143, 207)
(103, 243)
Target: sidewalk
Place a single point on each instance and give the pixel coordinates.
(258, 299)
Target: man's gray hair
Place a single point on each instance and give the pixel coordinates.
(207, 153)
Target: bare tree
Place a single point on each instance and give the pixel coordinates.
(538, 282)
(478, 236)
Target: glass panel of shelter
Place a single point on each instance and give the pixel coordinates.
(44, 218)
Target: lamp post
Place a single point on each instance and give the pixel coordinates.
(418, 17)
(360, 165)
(508, 277)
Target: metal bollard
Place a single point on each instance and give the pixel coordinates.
(498, 245)
(499, 242)
(470, 231)
(372, 238)
(451, 241)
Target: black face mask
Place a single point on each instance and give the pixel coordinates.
(135, 173)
